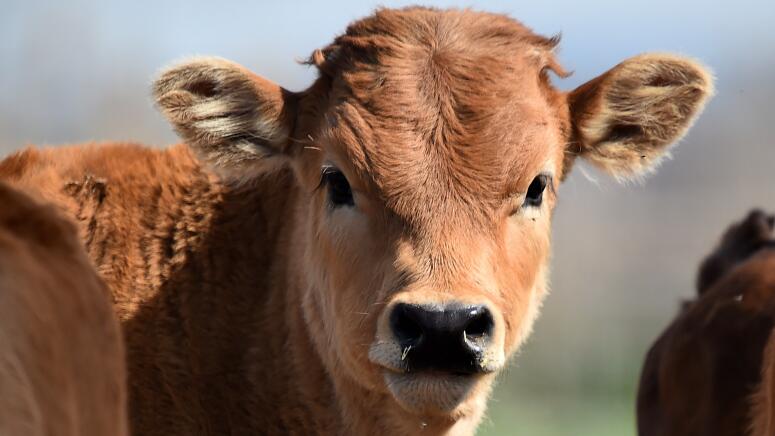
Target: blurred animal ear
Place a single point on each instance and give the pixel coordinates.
(625, 120)
(235, 120)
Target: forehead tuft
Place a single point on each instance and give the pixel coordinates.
(399, 32)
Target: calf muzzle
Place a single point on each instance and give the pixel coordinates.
(448, 338)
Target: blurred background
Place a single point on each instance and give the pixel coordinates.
(624, 256)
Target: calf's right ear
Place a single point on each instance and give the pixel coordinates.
(235, 120)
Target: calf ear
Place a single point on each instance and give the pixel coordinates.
(238, 122)
(625, 120)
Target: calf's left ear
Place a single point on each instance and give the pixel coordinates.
(238, 122)
(625, 120)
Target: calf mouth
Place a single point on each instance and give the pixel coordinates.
(434, 393)
(436, 355)
(435, 389)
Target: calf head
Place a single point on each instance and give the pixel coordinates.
(427, 156)
(740, 241)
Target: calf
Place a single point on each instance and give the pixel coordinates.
(62, 366)
(701, 373)
(361, 257)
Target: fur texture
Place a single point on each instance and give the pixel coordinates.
(62, 366)
(763, 400)
(238, 120)
(700, 375)
(262, 307)
(626, 119)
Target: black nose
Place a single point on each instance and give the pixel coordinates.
(449, 338)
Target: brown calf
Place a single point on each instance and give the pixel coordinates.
(763, 408)
(372, 249)
(62, 366)
(701, 373)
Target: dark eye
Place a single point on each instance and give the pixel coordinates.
(339, 192)
(535, 192)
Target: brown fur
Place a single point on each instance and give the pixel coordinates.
(626, 131)
(62, 366)
(700, 374)
(763, 400)
(252, 305)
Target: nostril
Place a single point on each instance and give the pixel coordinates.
(480, 322)
(405, 326)
(448, 337)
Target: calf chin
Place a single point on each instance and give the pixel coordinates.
(436, 394)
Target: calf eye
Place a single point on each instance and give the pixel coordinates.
(535, 192)
(339, 192)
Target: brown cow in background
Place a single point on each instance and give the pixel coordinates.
(62, 366)
(702, 376)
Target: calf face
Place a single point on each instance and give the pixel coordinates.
(700, 375)
(428, 154)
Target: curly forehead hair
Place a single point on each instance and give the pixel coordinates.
(395, 32)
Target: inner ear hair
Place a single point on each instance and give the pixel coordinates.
(625, 120)
(228, 115)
